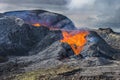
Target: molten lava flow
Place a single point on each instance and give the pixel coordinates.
(36, 25)
(76, 39)
(50, 27)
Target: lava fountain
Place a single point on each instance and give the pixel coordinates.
(76, 39)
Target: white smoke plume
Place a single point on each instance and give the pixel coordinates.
(77, 4)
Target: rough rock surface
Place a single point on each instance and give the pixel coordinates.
(18, 40)
(97, 47)
(35, 53)
(46, 18)
(111, 37)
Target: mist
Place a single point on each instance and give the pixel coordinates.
(77, 4)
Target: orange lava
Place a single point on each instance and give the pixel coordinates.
(76, 39)
(36, 25)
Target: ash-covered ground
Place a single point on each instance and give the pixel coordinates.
(36, 53)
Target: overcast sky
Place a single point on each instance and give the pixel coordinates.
(84, 13)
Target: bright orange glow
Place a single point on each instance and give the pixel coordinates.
(36, 25)
(76, 39)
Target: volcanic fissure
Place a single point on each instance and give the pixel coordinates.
(75, 38)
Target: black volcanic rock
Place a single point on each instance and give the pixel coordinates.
(46, 18)
(66, 53)
(1, 15)
(95, 61)
(16, 39)
(111, 37)
(45, 42)
(98, 47)
(106, 30)
(19, 38)
(40, 49)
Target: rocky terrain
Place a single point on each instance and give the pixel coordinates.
(29, 52)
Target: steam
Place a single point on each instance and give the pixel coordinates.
(77, 4)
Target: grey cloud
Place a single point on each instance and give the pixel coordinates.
(107, 14)
(112, 20)
(10, 5)
(109, 11)
(54, 2)
(102, 13)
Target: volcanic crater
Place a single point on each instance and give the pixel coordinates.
(32, 40)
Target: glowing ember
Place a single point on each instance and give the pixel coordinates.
(36, 25)
(76, 39)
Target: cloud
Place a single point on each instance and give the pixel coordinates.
(95, 14)
(110, 20)
(77, 4)
(10, 5)
(54, 2)
(84, 13)
(108, 13)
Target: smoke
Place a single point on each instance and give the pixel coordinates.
(77, 4)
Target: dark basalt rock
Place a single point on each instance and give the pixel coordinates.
(42, 48)
(3, 59)
(106, 30)
(45, 42)
(1, 15)
(111, 37)
(95, 61)
(98, 47)
(46, 18)
(18, 39)
(66, 53)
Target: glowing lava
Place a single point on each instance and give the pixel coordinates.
(76, 39)
(36, 25)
